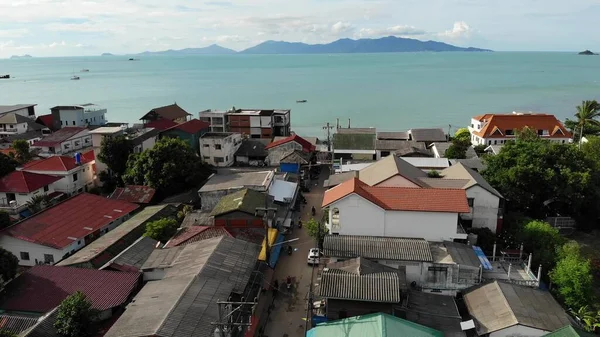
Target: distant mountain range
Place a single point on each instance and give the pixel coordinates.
(390, 44)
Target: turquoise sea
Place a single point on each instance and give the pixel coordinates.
(387, 91)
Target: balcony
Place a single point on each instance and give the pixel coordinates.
(13, 207)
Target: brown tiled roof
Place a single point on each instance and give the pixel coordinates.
(499, 123)
(171, 112)
(402, 198)
(306, 145)
(134, 193)
(195, 234)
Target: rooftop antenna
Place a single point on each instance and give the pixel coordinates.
(337, 123)
(348, 123)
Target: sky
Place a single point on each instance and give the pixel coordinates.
(90, 27)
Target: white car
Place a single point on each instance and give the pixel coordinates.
(314, 254)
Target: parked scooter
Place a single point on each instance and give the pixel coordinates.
(290, 250)
(288, 282)
(314, 211)
(299, 223)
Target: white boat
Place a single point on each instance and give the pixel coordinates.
(74, 77)
(85, 70)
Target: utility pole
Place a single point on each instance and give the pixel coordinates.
(265, 211)
(226, 322)
(309, 306)
(327, 127)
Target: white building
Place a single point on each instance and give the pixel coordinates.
(78, 115)
(216, 119)
(66, 140)
(497, 129)
(60, 230)
(12, 123)
(141, 138)
(18, 188)
(74, 177)
(218, 148)
(432, 214)
(26, 110)
(501, 309)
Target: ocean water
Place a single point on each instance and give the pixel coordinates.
(387, 91)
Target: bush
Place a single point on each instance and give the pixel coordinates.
(8, 265)
(316, 230)
(485, 239)
(161, 230)
(434, 174)
(543, 240)
(76, 317)
(573, 276)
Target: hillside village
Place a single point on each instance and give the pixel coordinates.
(228, 223)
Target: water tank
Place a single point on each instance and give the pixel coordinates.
(78, 158)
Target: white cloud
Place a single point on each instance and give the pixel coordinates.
(57, 44)
(340, 27)
(13, 33)
(398, 30)
(460, 30)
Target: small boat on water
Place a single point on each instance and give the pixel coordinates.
(85, 70)
(74, 78)
(301, 101)
(132, 59)
(4, 76)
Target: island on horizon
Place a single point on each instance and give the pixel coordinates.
(26, 56)
(587, 52)
(107, 54)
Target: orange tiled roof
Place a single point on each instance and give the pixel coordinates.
(497, 124)
(402, 198)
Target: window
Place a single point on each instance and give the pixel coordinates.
(206, 157)
(219, 160)
(509, 132)
(205, 145)
(470, 201)
(226, 158)
(75, 177)
(217, 146)
(437, 274)
(73, 122)
(25, 256)
(46, 188)
(495, 142)
(48, 258)
(10, 126)
(87, 140)
(489, 142)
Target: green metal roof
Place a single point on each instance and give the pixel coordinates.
(245, 201)
(354, 141)
(569, 331)
(373, 325)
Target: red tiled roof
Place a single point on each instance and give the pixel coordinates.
(402, 198)
(46, 120)
(497, 124)
(134, 193)
(306, 145)
(196, 233)
(161, 124)
(42, 288)
(58, 163)
(25, 182)
(59, 136)
(69, 221)
(191, 126)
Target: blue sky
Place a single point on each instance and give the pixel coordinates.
(90, 27)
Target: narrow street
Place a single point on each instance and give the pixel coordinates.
(288, 317)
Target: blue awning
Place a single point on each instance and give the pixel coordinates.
(485, 263)
(276, 251)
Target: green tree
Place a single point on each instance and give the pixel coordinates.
(588, 318)
(8, 265)
(573, 276)
(76, 317)
(527, 135)
(540, 178)
(587, 113)
(22, 151)
(38, 203)
(316, 230)
(463, 135)
(458, 149)
(184, 212)
(480, 149)
(588, 129)
(114, 152)
(7, 164)
(161, 230)
(170, 167)
(6, 333)
(541, 239)
(4, 219)
(591, 150)
(434, 174)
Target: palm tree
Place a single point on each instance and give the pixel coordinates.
(587, 113)
(37, 203)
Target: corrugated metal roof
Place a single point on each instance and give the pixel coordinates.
(134, 193)
(424, 162)
(16, 324)
(435, 311)
(462, 254)
(400, 135)
(427, 135)
(134, 256)
(162, 258)
(569, 331)
(376, 247)
(196, 233)
(43, 287)
(44, 327)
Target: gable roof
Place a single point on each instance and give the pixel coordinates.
(14, 118)
(372, 325)
(498, 305)
(460, 171)
(59, 136)
(253, 147)
(296, 157)
(133, 257)
(475, 164)
(134, 193)
(25, 182)
(435, 311)
(306, 145)
(70, 220)
(388, 167)
(192, 126)
(462, 254)
(10, 108)
(43, 287)
(161, 124)
(353, 141)
(196, 233)
(515, 121)
(46, 120)
(394, 135)
(402, 198)
(377, 247)
(184, 301)
(58, 163)
(245, 200)
(359, 279)
(170, 112)
(338, 178)
(427, 135)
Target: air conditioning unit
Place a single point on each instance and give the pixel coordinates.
(13, 203)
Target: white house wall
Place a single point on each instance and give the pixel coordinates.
(519, 331)
(16, 246)
(485, 208)
(359, 217)
(67, 184)
(23, 198)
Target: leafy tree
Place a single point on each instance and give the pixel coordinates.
(76, 317)
(7, 333)
(95, 190)
(591, 150)
(527, 135)
(22, 152)
(8, 265)
(38, 203)
(485, 238)
(458, 149)
(170, 167)
(463, 135)
(541, 178)
(316, 230)
(573, 276)
(184, 212)
(114, 152)
(161, 230)
(4, 219)
(109, 183)
(588, 318)
(7, 164)
(588, 129)
(587, 113)
(541, 239)
(479, 149)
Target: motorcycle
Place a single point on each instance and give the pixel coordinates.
(290, 250)
(288, 282)
(314, 211)
(299, 223)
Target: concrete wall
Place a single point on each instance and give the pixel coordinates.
(485, 208)
(519, 331)
(68, 184)
(397, 181)
(11, 129)
(210, 199)
(229, 145)
(16, 246)
(277, 152)
(23, 198)
(358, 216)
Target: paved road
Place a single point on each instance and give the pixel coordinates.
(288, 316)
